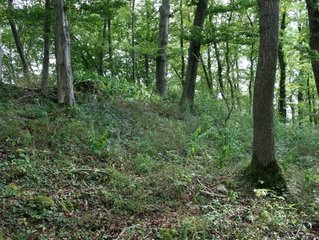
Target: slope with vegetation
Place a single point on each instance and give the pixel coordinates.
(134, 167)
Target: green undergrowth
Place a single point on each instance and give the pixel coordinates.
(136, 168)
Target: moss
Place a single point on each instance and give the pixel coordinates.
(268, 177)
(43, 202)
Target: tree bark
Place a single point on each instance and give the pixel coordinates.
(1, 57)
(63, 56)
(313, 17)
(282, 64)
(110, 49)
(101, 58)
(46, 46)
(264, 168)
(161, 60)
(17, 40)
(181, 41)
(187, 100)
(133, 43)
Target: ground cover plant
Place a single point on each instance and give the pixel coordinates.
(126, 169)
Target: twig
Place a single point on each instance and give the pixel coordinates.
(213, 194)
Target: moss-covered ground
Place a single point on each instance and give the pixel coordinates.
(136, 168)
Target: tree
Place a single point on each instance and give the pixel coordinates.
(187, 100)
(46, 46)
(282, 64)
(161, 60)
(63, 55)
(17, 40)
(1, 57)
(264, 167)
(313, 17)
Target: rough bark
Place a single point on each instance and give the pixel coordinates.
(282, 63)
(18, 43)
(313, 16)
(187, 100)
(264, 167)
(46, 46)
(161, 60)
(63, 56)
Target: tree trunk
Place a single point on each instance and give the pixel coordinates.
(1, 57)
(24, 61)
(133, 43)
(101, 58)
(161, 60)
(109, 38)
(264, 169)
(187, 100)
(181, 41)
(313, 16)
(46, 46)
(282, 64)
(63, 56)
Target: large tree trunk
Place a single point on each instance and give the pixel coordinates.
(187, 100)
(24, 61)
(161, 60)
(313, 16)
(63, 56)
(46, 46)
(264, 169)
(282, 64)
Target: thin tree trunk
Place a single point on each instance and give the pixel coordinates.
(313, 16)
(63, 56)
(220, 74)
(309, 98)
(181, 41)
(161, 60)
(252, 61)
(109, 37)
(17, 40)
(209, 66)
(133, 42)
(1, 57)
(264, 166)
(282, 64)
(46, 46)
(187, 100)
(229, 80)
(101, 58)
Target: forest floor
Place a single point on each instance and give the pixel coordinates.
(129, 168)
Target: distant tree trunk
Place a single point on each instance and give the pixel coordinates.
(101, 57)
(1, 57)
(313, 16)
(46, 46)
(181, 41)
(63, 56)
(309, 98)
(209, 66)
(229, 80)
(264, 169)
(282, 64)
(109, 38)
(24, 61)
(187, 100)
(220, 73)
(133, 42)
(252, 64)
(161, 60)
